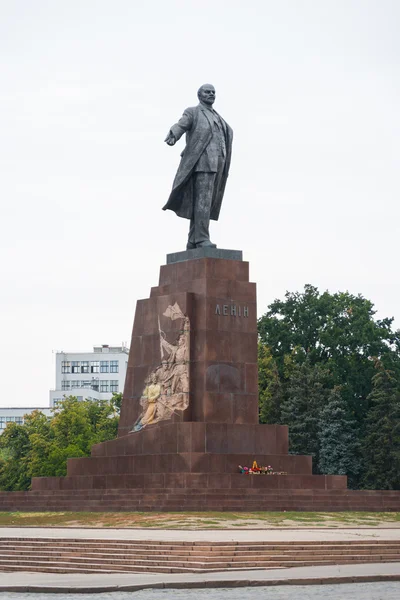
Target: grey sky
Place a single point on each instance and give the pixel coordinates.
(88, 91)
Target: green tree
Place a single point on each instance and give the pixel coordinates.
(381, 444)
(306, 394)
(339, 445)
(41, 446)
(269, 386)
(14, 446)
(338, 330)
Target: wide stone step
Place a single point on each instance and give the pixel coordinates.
(194, 555)
(215, 563)
(195, 543)
(68, 567)
(114, 546)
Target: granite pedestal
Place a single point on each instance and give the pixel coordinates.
(190, 460)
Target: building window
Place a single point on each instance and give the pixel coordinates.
(104, 366)
(95, 384)
(76, 366)
(85, 366)
(65, 366)
(114, 366)
(19, 420)
(95, 366)
(104, 385)
(114, 385)
(9, 419)
(65, 385)
(75, 384)
(86, 384)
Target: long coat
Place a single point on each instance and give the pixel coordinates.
(197, 123)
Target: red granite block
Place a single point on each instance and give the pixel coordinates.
(174, 480)
(244, 346)
(227, 269)
(217, 463)
(217, 407)
(220, 480)
(196, 480)
(200, 462)
(303, 465)
(133, 444)
(294, 482)
(211, 378)
(150, 351)
(218, 288)
(231, 378)
(150, 439)
(241, 291)
(143, 464)
(251, 385)
(336, 482)
(184, 437)
(133, 480)
(168, 438)
(239, 481)
(265, 439)
(98, 450)
(115, 481)
(139, 375)
(312, 481)
(240, 438)
(198, 437)
(138, 320)
(216, 438)
(128, 386)
(198, 347)
(265, 481)
(219, 346)
(99, 481)
(153, 480)
(199, 314)
(245, 408)
(282, 439)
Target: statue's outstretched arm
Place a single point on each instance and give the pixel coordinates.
(177, 130)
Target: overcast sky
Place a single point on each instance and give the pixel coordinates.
(88, 91)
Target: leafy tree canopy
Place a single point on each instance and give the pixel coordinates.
(338, 330)
(41, 446)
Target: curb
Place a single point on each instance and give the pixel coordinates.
(229, 583)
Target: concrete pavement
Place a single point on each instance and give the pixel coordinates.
(91, 583)
(214, 535)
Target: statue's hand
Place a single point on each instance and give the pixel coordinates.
(170, 139)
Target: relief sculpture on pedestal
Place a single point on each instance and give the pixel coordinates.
(166, 388)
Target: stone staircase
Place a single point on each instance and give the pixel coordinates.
(49, 555)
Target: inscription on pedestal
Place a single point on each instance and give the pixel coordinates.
(231, 310)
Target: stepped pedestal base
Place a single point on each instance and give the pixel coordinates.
(187, 458)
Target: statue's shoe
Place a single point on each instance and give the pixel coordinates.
(190, 246)
(206, 244)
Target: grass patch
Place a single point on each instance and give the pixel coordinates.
(199, 520)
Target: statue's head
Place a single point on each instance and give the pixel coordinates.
(206, 94)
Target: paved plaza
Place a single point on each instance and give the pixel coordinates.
(25, 582)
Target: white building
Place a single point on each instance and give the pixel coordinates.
(90, 375)
(16, 414)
